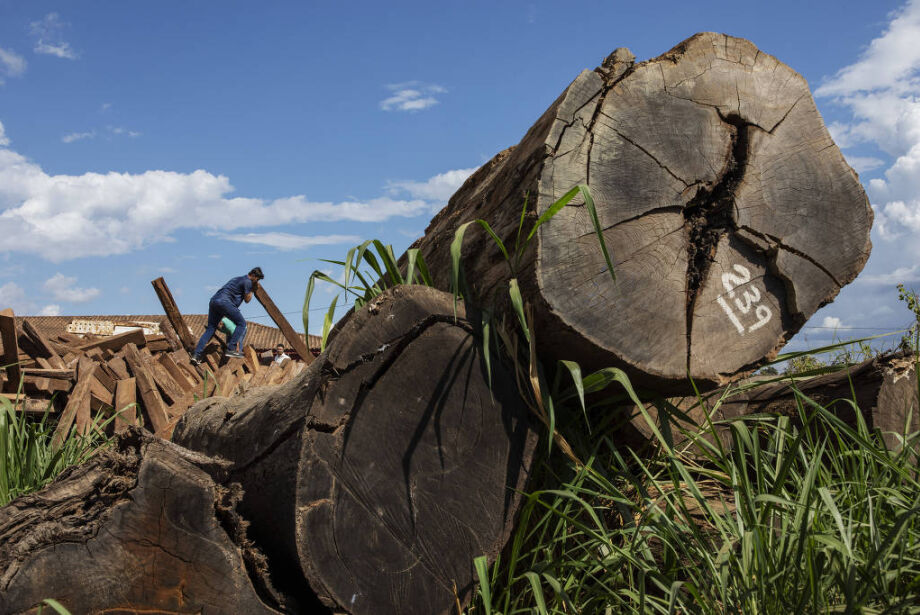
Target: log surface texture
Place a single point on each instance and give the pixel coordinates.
(141, 529)
(375, 478)
(730, 215)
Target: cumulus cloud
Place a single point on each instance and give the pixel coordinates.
(61, 217)
(52, 309)
(438, 188)
(4, 140)
(78, 136)
(832, 322)
(48, 33)
(289, 241)
(882, 92)
(411, 96)
(63, 288)
(11, 64)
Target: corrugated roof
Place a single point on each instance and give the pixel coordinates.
(260, 336)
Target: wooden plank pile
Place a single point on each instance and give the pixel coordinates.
(147, 380)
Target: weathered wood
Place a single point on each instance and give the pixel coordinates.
(125, 404)
(729, 214)
(885, 392)
(180, 377)
(10, 357)
(116, 342)
(78, 404)
(62, 374)
(32, 383)
(363, 481)
(173, 314)
(142, 529)
(118, 366)
(293, 338)
(30, 405)
(42, 344)
(252, 360)
(146, 388)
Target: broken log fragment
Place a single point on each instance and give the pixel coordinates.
(141, 529)
(360, 472)
(729, 214)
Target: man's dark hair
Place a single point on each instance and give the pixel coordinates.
(257, 273)
(281, 346)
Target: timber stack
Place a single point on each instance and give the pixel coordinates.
(729, 216)
(136, 378)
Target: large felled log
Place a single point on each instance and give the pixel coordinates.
(142, 529)
(885, 390)
(380, 472)
(729, 213)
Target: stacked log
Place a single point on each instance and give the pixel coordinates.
(375, 479)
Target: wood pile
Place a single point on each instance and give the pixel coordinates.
(145, 380)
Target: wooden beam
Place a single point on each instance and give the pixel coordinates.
(252, 360)
(116, 342)
(77, 408)
(153, 402)
(297, 341)
(42, 343)
(173, 314)
(125, 403)
(10, 356)
(30, 405)
(63, 374)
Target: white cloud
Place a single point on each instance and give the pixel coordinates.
(438, 188)
(882, 92)
(49, 37)
(11, 64)
(411, 96)
(52, 309)
(78, 136)
(119, 130)
(4, 140)
(13, 296)
(288, 241)
(864, 164)
(832, 322)
(62, 288)
(62, 217)
(892, 278)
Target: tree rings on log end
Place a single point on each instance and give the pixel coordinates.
(730, 214)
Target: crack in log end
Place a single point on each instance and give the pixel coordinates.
(711, 212)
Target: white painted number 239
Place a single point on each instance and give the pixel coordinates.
(749, 299)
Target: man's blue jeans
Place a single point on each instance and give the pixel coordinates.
(217, 309)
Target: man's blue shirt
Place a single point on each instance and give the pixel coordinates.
(234, 290)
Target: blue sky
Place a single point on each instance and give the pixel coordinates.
(195, 140)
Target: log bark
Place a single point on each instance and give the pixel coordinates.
(378, 474)
(885, 390)
(729, 213)
(141, 529)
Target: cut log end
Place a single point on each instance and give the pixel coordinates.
(730, 214)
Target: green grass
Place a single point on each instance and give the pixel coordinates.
(29, 461)
(779, 521)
